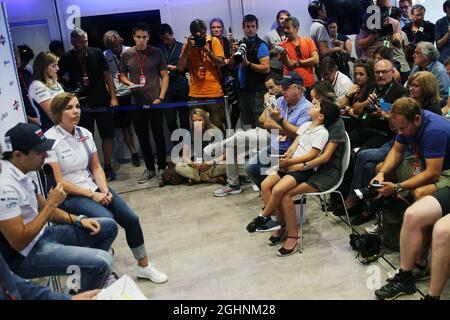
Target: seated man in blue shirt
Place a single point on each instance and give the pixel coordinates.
(429, 136)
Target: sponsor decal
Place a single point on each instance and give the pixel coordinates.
(11, 83)
(2, 40)
(5, 62)
(16, 105)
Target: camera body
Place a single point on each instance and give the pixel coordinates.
(372, 107)
(369, 191)
(240, 52)
(199, 40)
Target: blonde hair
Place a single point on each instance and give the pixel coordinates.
(59, 104)
(40, 64)
(428, 85)
(205, 115)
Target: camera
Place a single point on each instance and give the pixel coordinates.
(368, 246)
(372, 107)
(368, 192)
(199, 40)
(240, 52)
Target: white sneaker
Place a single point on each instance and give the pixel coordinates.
(150, 272)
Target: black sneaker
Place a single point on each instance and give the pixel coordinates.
(258, 222)
(352, 212)
(109, 173)
(421, 273)
(396, 287)
(363, 218)
(135, 160)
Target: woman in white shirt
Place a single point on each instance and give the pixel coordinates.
(45, 86)
(77, 167)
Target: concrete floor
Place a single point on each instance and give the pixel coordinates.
(201, 243)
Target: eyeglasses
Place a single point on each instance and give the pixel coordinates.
(405, 7)
(383, 71)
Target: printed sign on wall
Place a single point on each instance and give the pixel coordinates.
(11, 104)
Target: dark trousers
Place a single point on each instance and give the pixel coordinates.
(141, 119)
(365, 138)
(178, 94)
(251, 105)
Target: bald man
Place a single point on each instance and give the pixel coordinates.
(375, 130)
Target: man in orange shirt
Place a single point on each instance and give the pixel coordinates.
(298, 54)
(203, 55)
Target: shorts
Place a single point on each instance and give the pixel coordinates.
(299, 176)
(443, 197)
(444, 179)
(122, 119)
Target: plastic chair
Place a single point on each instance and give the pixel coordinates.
(345, 164)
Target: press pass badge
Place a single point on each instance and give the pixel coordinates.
(416, 167)
(86, 81)
(142, 80)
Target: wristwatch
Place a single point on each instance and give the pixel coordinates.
(305, 166)
(80, 217)
(280, 122)
(398, 188)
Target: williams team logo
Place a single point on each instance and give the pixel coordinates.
(2, 40)
(16, 105)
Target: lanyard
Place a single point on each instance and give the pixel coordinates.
(141, 62)
(169, 55)
(83, 64)
(335, 79)
(117, 62)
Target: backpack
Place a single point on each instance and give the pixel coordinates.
(392, 211)
(170, 176)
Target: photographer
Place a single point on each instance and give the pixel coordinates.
(204, 57)
(298, 54)
(252, 61)
(274, 37)
(418, 30)
(371, 38)
(344, 42)
(374, 130)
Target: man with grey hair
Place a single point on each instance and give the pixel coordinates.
(419, 30)
(84, 70)
(115, 48)
(426, 58)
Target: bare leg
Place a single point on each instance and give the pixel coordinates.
(266, 187)
(284, 185)
(143, 262)
(288, 208)
(440, 257)
(421, 214)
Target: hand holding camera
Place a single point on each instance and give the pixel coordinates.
(275, 113)
(373, 103)
(279, 49)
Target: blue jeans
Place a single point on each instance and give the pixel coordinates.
(255, 167)
(117, 210)
(67, 245)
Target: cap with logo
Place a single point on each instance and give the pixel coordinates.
(27, 136)
(291, 78)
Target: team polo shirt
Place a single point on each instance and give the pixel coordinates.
(18, 197)
(39, 93)
(73, 153)
(307, 48)
(296, 116)
(433, 138)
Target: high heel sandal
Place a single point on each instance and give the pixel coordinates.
(273, 241)
(283, 252)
